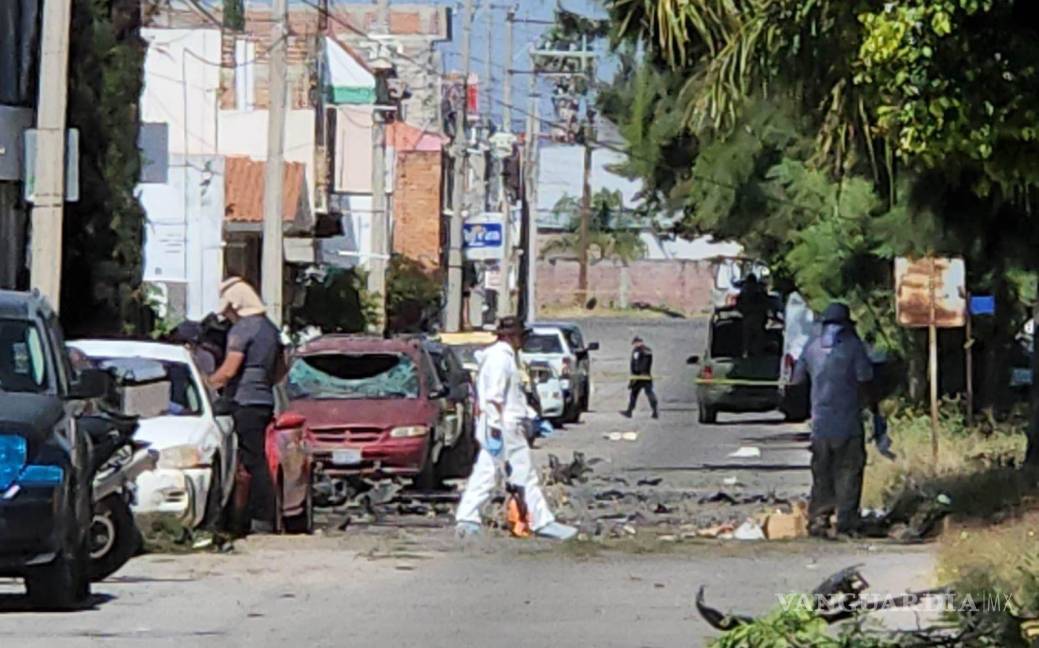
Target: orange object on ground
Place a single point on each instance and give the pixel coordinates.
(517, 517)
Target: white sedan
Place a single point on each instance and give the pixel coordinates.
(197, 448)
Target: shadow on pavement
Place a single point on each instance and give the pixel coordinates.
(13, 603)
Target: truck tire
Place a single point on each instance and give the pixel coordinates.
(302, 524)
(64, 584)
(706, 414)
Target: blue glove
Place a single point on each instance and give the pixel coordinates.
(495, 444)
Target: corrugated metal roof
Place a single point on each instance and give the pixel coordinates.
(244, 184)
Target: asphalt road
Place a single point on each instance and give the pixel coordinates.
(415, 586)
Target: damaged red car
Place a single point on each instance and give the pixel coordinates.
(376, 408)
(289, 446)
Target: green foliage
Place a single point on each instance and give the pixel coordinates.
(334, 301)
(611, 236)
(795, 624)
(414, 295)
(234, 14)
(104, 230)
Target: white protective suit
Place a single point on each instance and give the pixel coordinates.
(502, 406)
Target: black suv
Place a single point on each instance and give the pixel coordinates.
(45, 480)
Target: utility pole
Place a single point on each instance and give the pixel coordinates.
(453, 317)
(488, 65)
(586, 215)
(506, 305)
(380, 208)
(49, 189)
(531, 175)
(273, 219)
(506, 115)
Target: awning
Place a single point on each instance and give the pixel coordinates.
(348, 79)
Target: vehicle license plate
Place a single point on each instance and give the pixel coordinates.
(347, 457)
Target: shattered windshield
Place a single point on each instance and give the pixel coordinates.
(344, 376)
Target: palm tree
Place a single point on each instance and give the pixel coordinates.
(606, 241)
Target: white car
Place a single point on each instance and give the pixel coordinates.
(549, 388)
(197, 448)
(561, 345)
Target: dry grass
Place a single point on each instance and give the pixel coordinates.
(975, 470)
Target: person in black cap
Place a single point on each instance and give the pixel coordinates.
(840, 372)
(641, 377)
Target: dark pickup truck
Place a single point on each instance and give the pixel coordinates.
(45, 479)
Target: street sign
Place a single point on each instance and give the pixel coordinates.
(483, 238)
(982, 305)
(71, 165)
(931, 292)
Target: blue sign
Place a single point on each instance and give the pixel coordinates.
(482, 235)
(483, 241)
(982, 305)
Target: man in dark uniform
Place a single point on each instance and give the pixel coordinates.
(752, 303)
(840, 373)
(641, 377)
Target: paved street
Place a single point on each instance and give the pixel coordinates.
(414, 586)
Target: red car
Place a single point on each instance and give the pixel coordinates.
(289, 445)
(375, 408)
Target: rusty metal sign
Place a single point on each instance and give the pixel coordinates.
(931, 291)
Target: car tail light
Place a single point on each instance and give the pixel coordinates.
(707, 373)
(789, 362)
(730, 300)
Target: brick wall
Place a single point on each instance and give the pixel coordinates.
(416, 206)
(684, 286)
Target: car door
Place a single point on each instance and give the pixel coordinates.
(447, 421)
(224, 424)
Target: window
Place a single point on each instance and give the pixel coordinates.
(185, 393)
(244, 74)
(543, 343)
(359, 376)
(23, 361)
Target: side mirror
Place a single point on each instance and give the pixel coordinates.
(693, 360)
(289, 421)
(592, 346)
(223, 407)
(90, 383)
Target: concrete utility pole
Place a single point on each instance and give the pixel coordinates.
(533, 140)
(49, 189)
(273, 219)
(487, 110)
(380, 208)
(586, 215)
(506, 115)
(453, 318)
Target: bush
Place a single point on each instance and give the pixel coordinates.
(414, 295)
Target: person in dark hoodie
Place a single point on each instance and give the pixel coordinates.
(641, 377)
(840, 373)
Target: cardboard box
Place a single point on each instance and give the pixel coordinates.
(787, 526)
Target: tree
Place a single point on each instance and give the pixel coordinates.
(104, 230)
(925, 110)
(611, 236)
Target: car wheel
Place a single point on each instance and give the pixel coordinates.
(304, 522)
(457, 462)
(114, 538)
(279, 505)
(572, 413)
(706, 414)
(213, 519)
(64, 584)
(426, 479)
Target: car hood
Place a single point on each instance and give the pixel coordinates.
(167, 431)
(32, 416)
(381, 413)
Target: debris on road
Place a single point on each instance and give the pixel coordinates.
(731, 481)
(650, 481)
(746, 452)
(577, 470)
(787, 526)
(749, 530)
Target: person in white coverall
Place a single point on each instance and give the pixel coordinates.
(499, 431)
